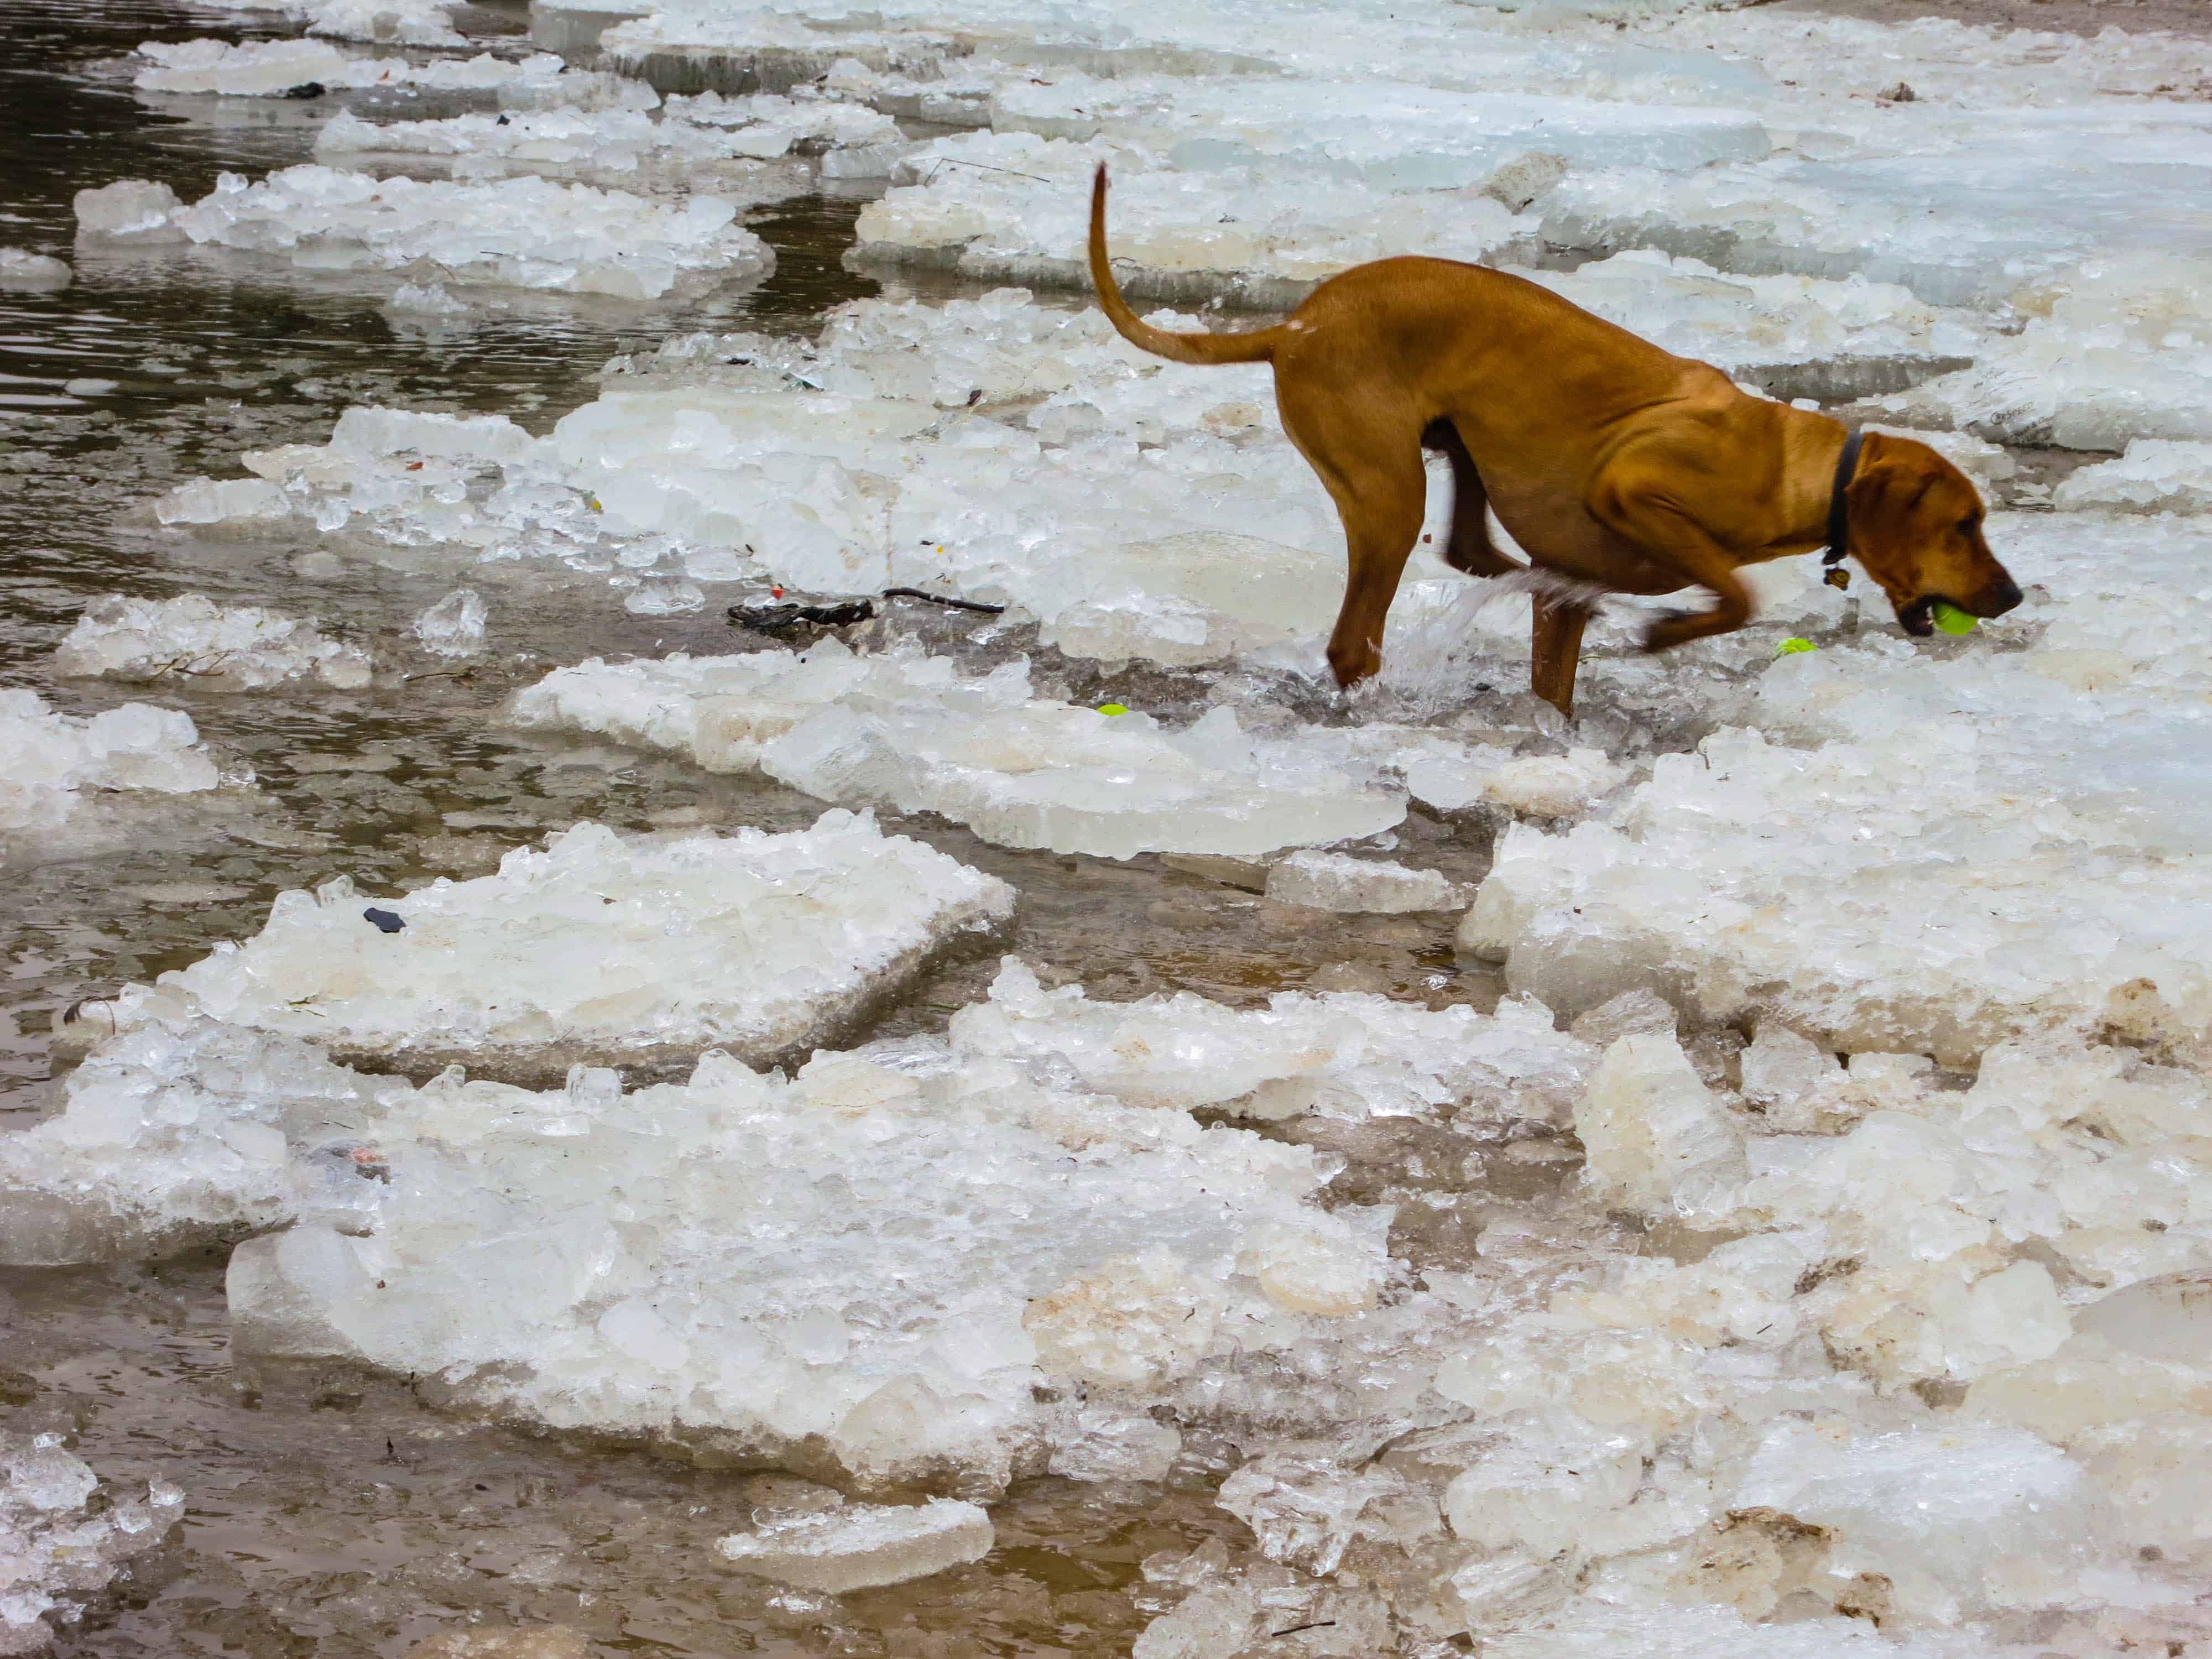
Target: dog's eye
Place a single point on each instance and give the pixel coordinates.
(1966, 527)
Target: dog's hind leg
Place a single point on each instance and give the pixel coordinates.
(1376, 477)
(1469, 547)
(1555, 650)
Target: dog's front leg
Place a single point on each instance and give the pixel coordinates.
(1651, 518)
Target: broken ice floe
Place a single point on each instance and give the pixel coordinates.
(1014, 208)
(949, 1239)
(599, 947)
(269, 69)
(861, 1546)
(687, 133)
(1925, 872)
(1334, 881)
(1339, 1054)
(181, 1130)
(525, 232)
(1966, 218)
(2115, 350)
(170, 1137)
(387, 22)
(909, 731)
(2155, 475)
(63, 1538)
(55, 760)
(454, 627)
(233, 649)
(41, 272)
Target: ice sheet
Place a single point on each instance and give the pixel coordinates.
(519, 233)
(269, 69)
(599, 947)
(876, 1268)
(1912, 850)
(238, 648)
(907, 731)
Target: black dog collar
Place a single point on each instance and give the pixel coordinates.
(1839, 505)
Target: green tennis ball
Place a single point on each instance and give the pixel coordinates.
(1113, 708)
(1791, 648)
(1951, 619)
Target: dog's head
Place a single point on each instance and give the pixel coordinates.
(1916, 527)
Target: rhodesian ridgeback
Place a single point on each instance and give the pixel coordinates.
(1610, 461)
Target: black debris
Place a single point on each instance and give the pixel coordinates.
(782, 618)
(306, 89)
(389, 921)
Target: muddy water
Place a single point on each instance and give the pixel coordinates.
(337, 1516)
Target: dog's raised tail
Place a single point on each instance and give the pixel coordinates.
(1255, 347)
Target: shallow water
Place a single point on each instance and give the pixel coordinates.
(339, 1516)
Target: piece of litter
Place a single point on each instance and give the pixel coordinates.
(389, 921)
(780, 618)
(1791, 648)
(1113, 708)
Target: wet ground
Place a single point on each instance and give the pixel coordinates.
(339, 1516)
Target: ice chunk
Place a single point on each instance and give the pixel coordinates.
(1305, 1511)
(54, 758)
(1632, 1013)
(172, 1138)
(1389, 136)
(62, 1539)
(1540, 1487)
(2167, 1319)
(22, 269)
(688, 133)
(1553, 785)
(1781, 1067)
(1954, 1518)
(1239, 593)
(582, 89)
(1802, 335)
(454, 627)
(898, 1258)
(267, 69)
(519, 233)
(388, 22)
(1114, 1443)
(1011, 207)
(1656, 1138)
(1759, 878)
(1341, 1055)
(230, 649)
(2155, 475)
(1590, 1628)
(1334, 881)
(2114, 350)
(863, 1545)
(764, 944)
(2013, 195)
(131, 210)
(905, 731)
(222, 501)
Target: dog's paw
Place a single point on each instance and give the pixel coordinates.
(1351, 663)
(1672, 629)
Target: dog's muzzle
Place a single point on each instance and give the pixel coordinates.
(1993, 598)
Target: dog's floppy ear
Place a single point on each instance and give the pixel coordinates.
(1892, 477)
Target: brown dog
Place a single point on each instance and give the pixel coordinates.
(1611, 461)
